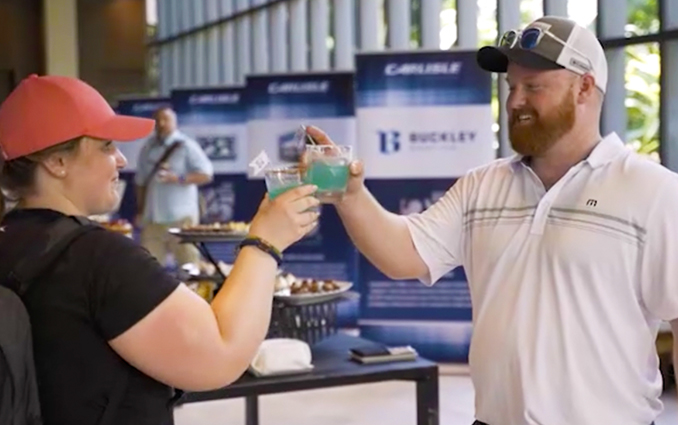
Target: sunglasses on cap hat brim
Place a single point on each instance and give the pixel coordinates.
(522, 47)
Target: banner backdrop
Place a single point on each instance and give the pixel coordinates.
(143, 107)
(277, 106)
(217, 119)
(423, 120)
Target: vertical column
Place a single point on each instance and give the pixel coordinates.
(555, 7)
(298, 33)
(187, 45)
(399, 24)
(213, 44)
(344, 33)
(227, 58)
(278, 36)
(177, 12)
(430, 23)
(200, 46)
(213, 41)
(173, 23)
(177, 69)
(320, 30)
(610, 24)
(668, 124)
(369, 25)
(244, 44)
(260, 24)
(161, 10)
(508, 17)
(186, 8)
(467, 24)
(165, 65)
(199, 13)
(211, 10)
(226, 8)
(60, 23)
(164, 51)
(187, 63)
(199, 55)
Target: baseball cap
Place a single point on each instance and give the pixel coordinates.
(44, 111)
(550, 42)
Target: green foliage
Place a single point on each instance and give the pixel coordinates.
(642, 79)
(642, 98)
(643, 17)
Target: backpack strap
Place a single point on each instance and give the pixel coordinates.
(59, 237)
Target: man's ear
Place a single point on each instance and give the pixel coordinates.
(587, 89)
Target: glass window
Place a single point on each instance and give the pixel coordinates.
(487, 22)
(530, 10)
(448, 24)
(583, 12)
(642, 98)
(642, 17)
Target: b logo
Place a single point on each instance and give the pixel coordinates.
(389, 141)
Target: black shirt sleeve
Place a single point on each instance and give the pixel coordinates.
(129, 284)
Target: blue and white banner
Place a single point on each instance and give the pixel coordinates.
(277, 106)
(217, 119)
(423, 120)
(423, 114)
(143, 107)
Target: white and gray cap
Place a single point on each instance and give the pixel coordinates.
(562, 44)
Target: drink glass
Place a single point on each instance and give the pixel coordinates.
(328, 170)
(281, 179)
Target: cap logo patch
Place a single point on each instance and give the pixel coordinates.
(579, 64)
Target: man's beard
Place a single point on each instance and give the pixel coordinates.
(537, 137)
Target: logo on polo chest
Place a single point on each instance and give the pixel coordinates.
(591, 203)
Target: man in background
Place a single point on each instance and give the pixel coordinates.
(170, 168)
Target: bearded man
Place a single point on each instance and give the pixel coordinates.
(569, 246)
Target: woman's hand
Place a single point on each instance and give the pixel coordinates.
(286, 219)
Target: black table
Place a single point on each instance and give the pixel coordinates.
(332, 368)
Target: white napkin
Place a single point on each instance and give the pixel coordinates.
(280, 356)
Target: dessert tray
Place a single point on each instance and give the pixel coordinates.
(213, 232)
(300, 291)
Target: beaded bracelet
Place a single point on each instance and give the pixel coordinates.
(266, 247)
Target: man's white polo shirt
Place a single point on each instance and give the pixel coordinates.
(568, 285)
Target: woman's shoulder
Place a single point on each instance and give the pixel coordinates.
(102, 245)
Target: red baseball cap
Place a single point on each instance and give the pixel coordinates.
(46, 111)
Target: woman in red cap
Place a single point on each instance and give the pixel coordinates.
(107, 309)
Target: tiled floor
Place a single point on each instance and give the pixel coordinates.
(390, 403)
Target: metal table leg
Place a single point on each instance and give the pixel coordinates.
(251, 410)
(206, 253)
(427, 399)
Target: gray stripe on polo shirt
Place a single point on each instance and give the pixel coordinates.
(599, 228)
(586, 219)
(496, 215)
(619, 220)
